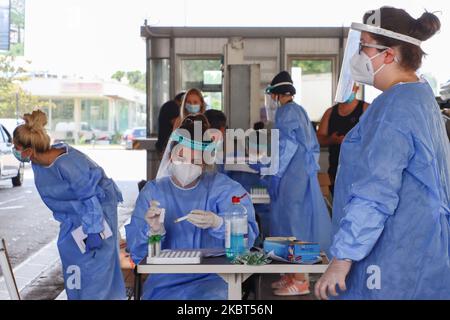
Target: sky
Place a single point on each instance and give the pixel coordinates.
(94, 38)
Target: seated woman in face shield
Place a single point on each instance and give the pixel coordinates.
(184, 187)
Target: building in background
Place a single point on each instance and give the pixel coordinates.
(5, 21)
(80, 110)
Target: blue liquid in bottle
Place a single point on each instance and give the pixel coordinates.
(236, 230)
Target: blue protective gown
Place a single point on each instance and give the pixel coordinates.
(78, 193)
(391, 204)
(213, 193)
(300, 209)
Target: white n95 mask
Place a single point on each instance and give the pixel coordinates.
(362, 68)
(185, 173)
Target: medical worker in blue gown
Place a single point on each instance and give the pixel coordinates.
(79, 194)
(297, 205)
(391, 205)
(185, 186)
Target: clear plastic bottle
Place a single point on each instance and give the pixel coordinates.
(236, 229)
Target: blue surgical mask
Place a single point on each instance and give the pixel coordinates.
(351, 98)
(19, 157)
(192, 108)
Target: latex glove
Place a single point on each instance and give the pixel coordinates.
(274, 187)
(155, 219)
(205, 219)
(93, 241)
(335, 275)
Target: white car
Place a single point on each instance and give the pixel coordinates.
(11, 124)
(10, 167)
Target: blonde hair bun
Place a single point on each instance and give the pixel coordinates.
(36, 121)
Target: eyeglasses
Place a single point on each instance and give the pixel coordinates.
(370, 45)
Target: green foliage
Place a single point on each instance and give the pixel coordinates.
(116, 138)
(313, 66)
(252, 259)
(118, 75)
(16, 49)
(18, 22)
(136, 78)
(18, 13)
(11, 94)
(193, 69)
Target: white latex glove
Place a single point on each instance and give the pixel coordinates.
(155, 219)
(204, 219)
(335, 275)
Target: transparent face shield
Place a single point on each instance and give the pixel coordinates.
(346, 82)
(182, 149)
(355, 46)
(271, 105)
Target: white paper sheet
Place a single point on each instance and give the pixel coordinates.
(79, 236)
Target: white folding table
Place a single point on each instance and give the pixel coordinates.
(233, 274)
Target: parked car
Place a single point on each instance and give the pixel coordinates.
(11, 124)
(65, 131)
(132, 134)
(10, 168)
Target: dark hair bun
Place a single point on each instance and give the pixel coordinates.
(426, 26)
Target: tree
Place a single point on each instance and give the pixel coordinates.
(18, 22)
(313, 66)
(136, 78)
(11, 94)
(118, 75)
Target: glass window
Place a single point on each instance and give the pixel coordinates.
(160, 87)
(313, 81)
(62, 114)
(123, 115)
(206, 75)
(95, 113)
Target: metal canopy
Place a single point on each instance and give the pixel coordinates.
(245, 32)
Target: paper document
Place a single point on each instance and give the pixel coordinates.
(80, 237)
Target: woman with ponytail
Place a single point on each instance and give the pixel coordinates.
(80, 195)
(391, 208)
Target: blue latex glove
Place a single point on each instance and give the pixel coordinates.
(93, 241)
(274, 187)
